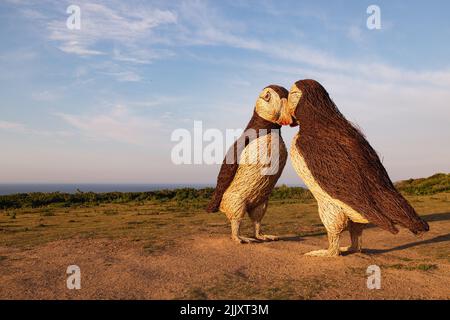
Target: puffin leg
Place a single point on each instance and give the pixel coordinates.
(355, 230)
(235, 236)
(333, 249)
(335, 221)
(235, 209)
(256, 215)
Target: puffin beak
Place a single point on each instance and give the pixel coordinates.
(285, 117)
(293, 99)
(291, 112)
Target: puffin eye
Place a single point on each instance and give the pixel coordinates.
(267, 96)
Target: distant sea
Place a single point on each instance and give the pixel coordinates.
(72, 188)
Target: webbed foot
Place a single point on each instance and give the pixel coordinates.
(243, 240)
(267, 237)
(349, 249)
(321, 253)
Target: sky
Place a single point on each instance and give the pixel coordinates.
(99, 104)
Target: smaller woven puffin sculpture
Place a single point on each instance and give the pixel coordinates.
(253, 165)
(343, 172)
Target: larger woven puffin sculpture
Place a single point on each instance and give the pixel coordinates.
(253, 165)
(343, 172)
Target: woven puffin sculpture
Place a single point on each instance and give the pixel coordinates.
(343, 172)
(244, 184)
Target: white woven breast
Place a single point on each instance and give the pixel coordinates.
(325, 201)
(250, 183)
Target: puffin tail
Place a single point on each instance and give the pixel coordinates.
(418, 226)
(393, 209)
(408, 217)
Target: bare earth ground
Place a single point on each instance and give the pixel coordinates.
(149, 251)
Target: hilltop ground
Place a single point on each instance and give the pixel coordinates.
(147, 250)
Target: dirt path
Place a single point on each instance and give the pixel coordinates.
(210, 267)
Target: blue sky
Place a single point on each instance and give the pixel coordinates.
(99, 104)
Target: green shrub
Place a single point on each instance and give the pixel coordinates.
(57, 199)
(439, 182)
(190, 197)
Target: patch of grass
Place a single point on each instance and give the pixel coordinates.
(421, 267)
(157, 247)
(238, 285)
(149, 213)
(110, 212)
(135, 222)
(190, 198)
(427, 267)
(195, 294)
(357, 270)
(280, 292)
(89, 199)
(232, 286)
(404, 259)
(397, 266)
(47, 213)
(439, 182)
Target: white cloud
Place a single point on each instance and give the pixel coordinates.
(117, 124)
(202, 25)
(114, 30)
(205, 26)
(156, 101)
(118, 71)
(21, 128)
(45, 95)
(12, 126)
(117, 23)
(32, 13)
(128, 32)
(132, 31)
(75, 47)
(125, 76)
(141, 56)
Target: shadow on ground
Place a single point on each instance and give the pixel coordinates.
(442, 238)
(434, 217)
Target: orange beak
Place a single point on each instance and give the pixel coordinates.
(285, 117)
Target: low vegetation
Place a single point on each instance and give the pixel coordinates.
(184, 196)
(193, 197)
(439, 182)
